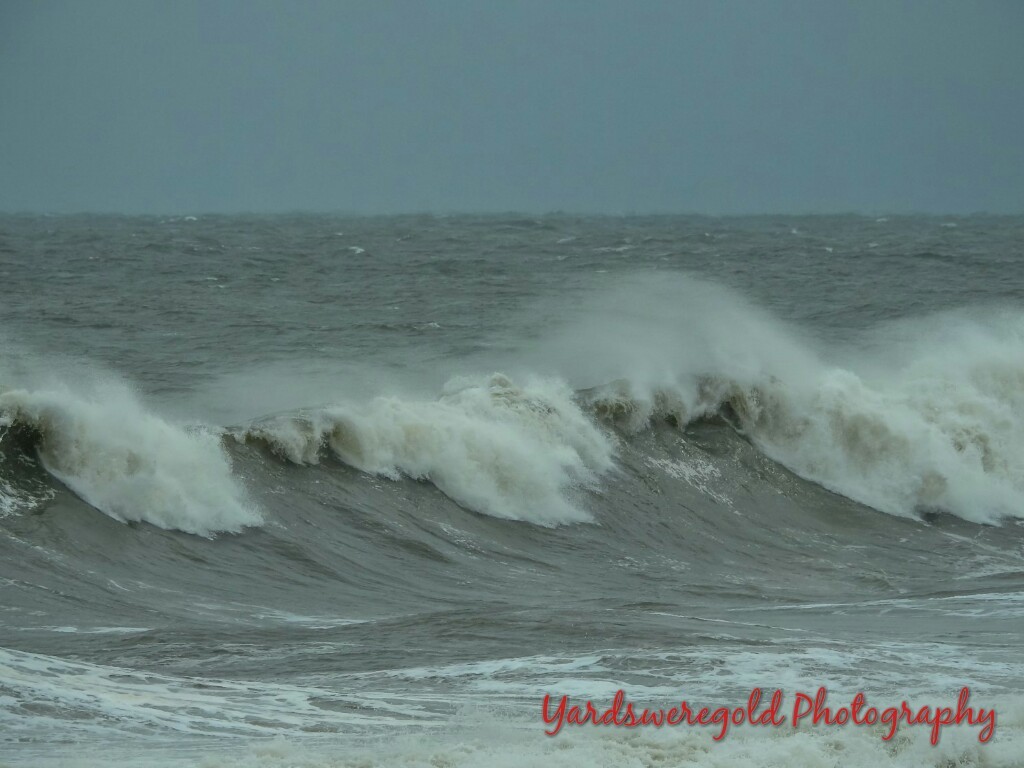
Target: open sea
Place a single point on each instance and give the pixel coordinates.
(307, 491)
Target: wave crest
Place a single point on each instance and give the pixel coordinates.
(129, 463)
(509, 451)
(906, 446)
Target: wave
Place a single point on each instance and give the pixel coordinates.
(906, 454)
(914, 417)
(910, 418)
(513, 452)
(925, 417)
(129, 463)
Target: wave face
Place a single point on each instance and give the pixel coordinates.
(345, 491)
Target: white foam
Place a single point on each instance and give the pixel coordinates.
(933, 421)
(509, 451)
(482, 738)
(103, 700)
(404, 717)
(131, 464)
(9, 501)
(922, 415)
(700, 474)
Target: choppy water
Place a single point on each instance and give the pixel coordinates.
(329, 491)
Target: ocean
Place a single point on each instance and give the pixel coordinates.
(313, 491)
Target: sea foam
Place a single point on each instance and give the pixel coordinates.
(910, 417)
(130, 463)
(509, 451)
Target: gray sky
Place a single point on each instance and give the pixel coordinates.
(596, 106)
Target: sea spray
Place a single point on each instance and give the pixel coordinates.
(908, 418)
(132, 464)
(509, 451)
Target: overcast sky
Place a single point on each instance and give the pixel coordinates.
(589, 106)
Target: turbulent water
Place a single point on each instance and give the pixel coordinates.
(321, 491)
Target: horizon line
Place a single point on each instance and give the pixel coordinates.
(554, 213)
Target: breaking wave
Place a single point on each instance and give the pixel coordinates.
(514, 452)
(129, 463)
(913, 417)
(910, 419)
